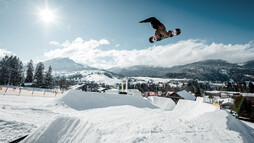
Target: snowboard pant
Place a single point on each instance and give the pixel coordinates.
(161, 31)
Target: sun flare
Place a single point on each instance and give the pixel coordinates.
(47, 15)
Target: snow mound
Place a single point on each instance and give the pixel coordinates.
(162, 102)
(191, 109)
(64, 129)
(132, 124)
(200, 99)
(80, 100)
(244, 130)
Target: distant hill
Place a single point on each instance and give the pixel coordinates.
(65, 65)
(141, 71)
(249, 64)
(82, 73)
(209, 70)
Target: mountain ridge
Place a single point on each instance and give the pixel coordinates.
(210, 70)
(65, 65)
(207, 70)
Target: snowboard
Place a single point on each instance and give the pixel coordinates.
(175, 32)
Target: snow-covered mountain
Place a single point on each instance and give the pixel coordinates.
(249, 64)
(97, 76)
(65, 65)
(209, 70)
(81, 73)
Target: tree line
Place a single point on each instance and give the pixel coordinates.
(12, 73)
(198, 88)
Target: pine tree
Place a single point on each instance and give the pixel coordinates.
(251, 87)
(229, 86)
(190, 87)
(20, 72)
(39, 76)
(198, 92)
(5, 71)
(15, 67)
(11, 71)
(29, 72)
(49, 78)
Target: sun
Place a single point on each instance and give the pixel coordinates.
(47, 15)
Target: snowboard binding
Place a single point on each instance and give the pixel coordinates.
(174, 32)
(154, 39)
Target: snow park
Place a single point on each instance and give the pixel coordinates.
(78, 116)
(110, 71)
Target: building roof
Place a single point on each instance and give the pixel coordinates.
(28, 83)
(186, 95)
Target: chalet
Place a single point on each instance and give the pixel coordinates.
(181, 95)
(213, 93)
(28, 84)
(227, 103)
(102, 90)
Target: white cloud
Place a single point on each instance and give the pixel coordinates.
(4, 52)
(54, 43)
(117, 45)
(104, 42)
(78, 50)
(182, 52)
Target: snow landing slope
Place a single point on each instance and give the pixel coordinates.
(166, 104)
(106, 120)
(80, 100)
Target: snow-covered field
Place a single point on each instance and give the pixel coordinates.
(96, 76)
(80, 116)
(169, 81)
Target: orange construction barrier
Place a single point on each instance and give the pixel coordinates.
(153, 94)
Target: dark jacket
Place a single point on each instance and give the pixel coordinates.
(155, 23)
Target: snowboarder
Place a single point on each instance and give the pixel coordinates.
(160, 32)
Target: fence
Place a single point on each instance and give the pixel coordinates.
(29, 91)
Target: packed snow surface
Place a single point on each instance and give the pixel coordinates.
(166, 104)
(80, 100)
(93, 117)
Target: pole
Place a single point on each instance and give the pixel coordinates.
(126, 86)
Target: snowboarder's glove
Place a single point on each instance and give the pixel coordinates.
(140, 21)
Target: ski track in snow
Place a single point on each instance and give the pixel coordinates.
(20, 115)
(12, 129)
(49, 119)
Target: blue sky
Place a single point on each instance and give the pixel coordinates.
(103, 33)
